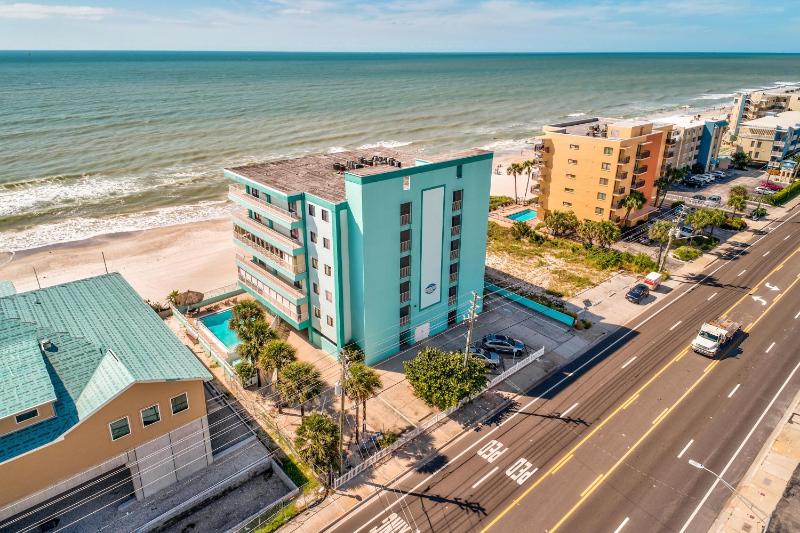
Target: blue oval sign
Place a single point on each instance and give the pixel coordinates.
(430, 288)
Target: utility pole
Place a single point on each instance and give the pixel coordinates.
(104, 261)
(473, 309)
(37, 277)
(666, 252)
(343, 361)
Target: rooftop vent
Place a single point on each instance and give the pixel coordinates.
(45, 344)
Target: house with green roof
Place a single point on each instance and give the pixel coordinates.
(91, 379)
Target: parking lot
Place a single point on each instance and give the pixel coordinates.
(749, 178)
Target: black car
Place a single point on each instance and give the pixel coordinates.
(503, 344)
(490, 359)
(637, 293)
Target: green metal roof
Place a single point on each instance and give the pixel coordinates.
(103, 336)
(7, 289)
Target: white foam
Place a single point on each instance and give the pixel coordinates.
(384, 144)
(336, 149)
(716, 96)
(508, 145)
(77, 229)
(576, 115)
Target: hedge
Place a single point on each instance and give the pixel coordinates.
(785, 194)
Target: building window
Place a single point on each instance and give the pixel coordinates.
(572, 161)
(150, 415)
(329, 296)
(326, 243)
(568, 190)
(457, 197)
(315, 263)
(603, 181)
(405, 266)
(406, 183)
(312, 236)
(27, 415)
(574, 147)
(120, 428)
(329, 320)
(327, 270)
(311, 210)
(405, 213)
(459, 171)
(601, 196)
(317, 312)
(315, 287)
(598, 210)
(605, 166)
(570, 176)
(608, 150)
(405, 291)
(566, 204)
(179, 403)
(404, 315)
(324, 213)
(405, 240)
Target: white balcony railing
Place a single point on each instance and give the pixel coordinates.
(238, 192)
(404, 320)
(405, 220)
(280, 262)
(454, 255)
(271, 279)
(290, 311)
(404, 297)
(405, 271)
(253, 226)
(453, 277)
(455, 230)
(456, 205)
(405, 245)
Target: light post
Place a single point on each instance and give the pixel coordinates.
(760, 515)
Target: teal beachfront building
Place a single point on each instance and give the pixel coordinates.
(374, 247)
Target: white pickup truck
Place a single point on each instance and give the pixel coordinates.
(713, 336)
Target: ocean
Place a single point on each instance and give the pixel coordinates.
(101, 142)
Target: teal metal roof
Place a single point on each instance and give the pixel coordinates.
(104, 338)
(7, 289)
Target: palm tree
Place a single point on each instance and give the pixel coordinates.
(633, 202)
(737, 203)
(527, 166)
(274, 355)
(258, 335)
(317, 442)
(300, 382)
(659, 232)
(664, 183)
(513, 170)
(243, 315)
(361, 384)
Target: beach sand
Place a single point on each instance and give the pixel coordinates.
(198, 256)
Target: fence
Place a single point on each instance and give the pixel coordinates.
(220, 359)
(530, 304)
(431, 422)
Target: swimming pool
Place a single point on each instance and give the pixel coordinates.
(219, 325)
(522, 216)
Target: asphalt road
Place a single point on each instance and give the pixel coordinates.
(600, 446)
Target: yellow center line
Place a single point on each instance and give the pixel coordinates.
(619, 408)
(660, 416)
(629, 401)
(591, 486)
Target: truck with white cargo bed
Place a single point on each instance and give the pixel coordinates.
(714, 335)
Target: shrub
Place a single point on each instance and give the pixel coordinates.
(246, 372)
(586, 323)
(520, 230)
(735, 223)
(676, 204)
(441, 379)
(785, 194)
(496, 202)
(687, 253)
(535, 238)
(604, 259)
(759, 212)
(387, 439)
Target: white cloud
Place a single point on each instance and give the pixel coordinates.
(42, 11)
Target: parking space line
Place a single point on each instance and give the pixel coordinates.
(712, 296)
(797, 315)
(770, 347)
(734, 390)
(623, 524)
(632, 359)
(574, 405)
(481, 480)
(766, 253)
(675, 325)
(742, 272)
(683, 451)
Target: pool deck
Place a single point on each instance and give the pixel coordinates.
(500, 215)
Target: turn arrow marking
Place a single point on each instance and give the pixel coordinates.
(760, 300)
(771, 287)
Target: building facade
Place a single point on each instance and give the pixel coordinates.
(373, 247)
(589, 166)
(91, 380)
(692, 142)
(770, 139)
(756, 104)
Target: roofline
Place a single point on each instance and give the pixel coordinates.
(409, 171)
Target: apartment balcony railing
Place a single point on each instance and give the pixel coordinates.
(404, 320)
(454, 254)
(640, 170)
(455, 230)
(404, 297)
(638, 185)
(456, 205)
(405, 220)
(670, 154)
(254, 226)
(622, 175)
(290, 311)
(619, 190)
(269, 254)
(452, 300)
(237, 192)
(405, 272)
(453, 277)
(276, 281)
(642, 154)
(624, 160)
(405, 245)
(672, 142)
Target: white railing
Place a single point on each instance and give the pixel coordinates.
(453, 277)
(269, 254)
(455, 230)
(239, 192)
(405, 272)
(252, 225)
(456, 205)
(431, 422)
(405, 246)
(220, 358)
(405, 220)
(292, 313)
(454, 254)
(404, 297)
(269, 276)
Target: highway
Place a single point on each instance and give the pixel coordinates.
(604, 444)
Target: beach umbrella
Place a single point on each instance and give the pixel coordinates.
(188, 298)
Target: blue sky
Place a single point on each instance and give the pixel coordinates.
(402, 25)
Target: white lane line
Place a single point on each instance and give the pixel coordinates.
(675, 325)
(787, 237)
(797, 315)
(711, 297)
(683, 451)
(481, 480)
(734, 390)
(766, 253)
(721, 475)
(574, 405)
(742, 272)
(632, 359)
(623, 524)
(770, 347)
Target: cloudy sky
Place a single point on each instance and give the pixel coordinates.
(403, 25)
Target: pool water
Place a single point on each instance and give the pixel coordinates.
(522, 216)
(219, 325)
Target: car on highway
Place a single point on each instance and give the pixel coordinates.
(637, 293)
(713, 201)
(491, 359)
(503, 344)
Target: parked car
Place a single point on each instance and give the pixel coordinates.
(503, 344)
(763, 190)
(637, 293)
(692, 181)
(697, 199)
(490, 359)
(719, 174)
(685, 232)
(771, 185)
(713, 201)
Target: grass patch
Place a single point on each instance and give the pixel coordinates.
(283, 515)
(687, 253)
(565, 276)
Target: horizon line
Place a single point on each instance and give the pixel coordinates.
(426, 52)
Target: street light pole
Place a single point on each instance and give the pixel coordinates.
(761, 515)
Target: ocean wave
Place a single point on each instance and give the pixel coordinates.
(786, 83)
(576, 114)
(384, 144)
(80, 228)
(336, 149)
(508, 145)
(715, 96)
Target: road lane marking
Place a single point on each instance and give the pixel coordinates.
(623, 524)
(632, 359)
(521, 471)
(770, 347)
(742, 272)
(481, 480)
(595, 482)
(711, 297)
(721, 475)
(766, 253)
(574, 405)
(683, 451)
(629, 401)
(658, 419)
(760, 300)
(675, 325)
(797, 315)
(561, 463)
(786, 238)
(772, 287)
(734, 390)
(709, 367)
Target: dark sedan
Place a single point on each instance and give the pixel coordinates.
(503, 344)
(637, 293)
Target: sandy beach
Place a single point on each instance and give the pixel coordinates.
(198, 256)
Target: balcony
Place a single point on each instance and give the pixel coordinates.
(638, 184)
(280, 262)
(404, 320)
(672, 142)
(622, 175)
(456, 205)
(404, 297)
(624, 160)
(280, 240)
(619, 191)
(452, 300)
(237, 192)
(638, 171)
(455, 231)
(268, 277)
(454, 254)
(405, 220)
(453, 277)
(405, 246)
(642, 154)
(405, 272)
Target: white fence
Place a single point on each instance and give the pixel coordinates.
(220, 358)
(431, 422)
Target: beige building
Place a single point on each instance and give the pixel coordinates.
(692, 141)
(589, 166)
(92, 381)
(756, 104)
(772, 138)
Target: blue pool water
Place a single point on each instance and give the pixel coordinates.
(522, 216)
(219, 325)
